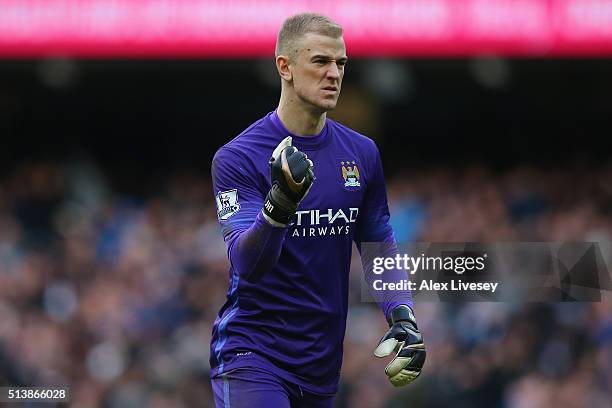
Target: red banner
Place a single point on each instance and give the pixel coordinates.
(247, 28)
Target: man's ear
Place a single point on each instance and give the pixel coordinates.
(282, 65)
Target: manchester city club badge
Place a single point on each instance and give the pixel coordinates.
(350, 174)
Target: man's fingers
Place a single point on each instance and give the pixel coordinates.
(386, 347)
(404, 377)
(409, 359)
(396, 365)
(295, 186)
(286, 142)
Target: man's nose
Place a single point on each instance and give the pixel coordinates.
(333, 71)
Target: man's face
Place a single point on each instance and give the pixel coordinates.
(318, 69)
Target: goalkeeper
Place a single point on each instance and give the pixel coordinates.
(277, 341)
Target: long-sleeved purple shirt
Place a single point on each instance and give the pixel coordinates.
(287, 301)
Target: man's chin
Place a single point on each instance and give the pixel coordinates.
(322, 105)
(327, 105)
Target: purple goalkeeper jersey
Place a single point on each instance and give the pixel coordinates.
(286, 305)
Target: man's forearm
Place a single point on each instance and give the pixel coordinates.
(257, 249)
(386, 299)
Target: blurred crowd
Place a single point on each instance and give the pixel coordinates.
(115, 294)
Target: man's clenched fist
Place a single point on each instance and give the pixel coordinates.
(291, 176)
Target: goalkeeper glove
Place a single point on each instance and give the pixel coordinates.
(292, 176)
(404, 339)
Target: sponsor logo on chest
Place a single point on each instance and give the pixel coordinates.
(328, 222)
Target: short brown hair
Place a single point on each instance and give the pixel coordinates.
(296, 26)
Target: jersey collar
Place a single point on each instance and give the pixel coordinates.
(309, 142)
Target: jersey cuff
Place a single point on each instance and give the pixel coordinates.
(272, 222)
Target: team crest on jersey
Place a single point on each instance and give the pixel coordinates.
(350, 174)
(227, 204)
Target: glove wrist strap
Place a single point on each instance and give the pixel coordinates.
(278, 210)
(402, 313)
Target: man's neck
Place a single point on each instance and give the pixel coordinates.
(300, 121)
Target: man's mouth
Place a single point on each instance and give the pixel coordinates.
(330, 88)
